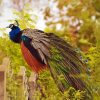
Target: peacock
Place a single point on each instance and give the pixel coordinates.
(44, 51)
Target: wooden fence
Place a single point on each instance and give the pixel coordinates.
(26, 88)
(3, 66)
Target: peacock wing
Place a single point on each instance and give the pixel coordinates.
(39, 41)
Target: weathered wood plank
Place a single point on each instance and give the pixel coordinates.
(5, 63)
(2, 87)
(21, 78)
(32, 84)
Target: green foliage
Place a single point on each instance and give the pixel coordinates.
(51, 91)
(25, 18)
(94, 70)
(96, 4)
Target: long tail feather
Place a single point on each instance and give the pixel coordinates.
(65, 66)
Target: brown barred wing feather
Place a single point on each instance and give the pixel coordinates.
(39, 41)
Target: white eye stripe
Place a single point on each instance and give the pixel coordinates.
(11, 26)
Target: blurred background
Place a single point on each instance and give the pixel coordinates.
(77, 21)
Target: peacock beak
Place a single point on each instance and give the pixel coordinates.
(7, 27)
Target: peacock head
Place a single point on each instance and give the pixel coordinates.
(15, 30)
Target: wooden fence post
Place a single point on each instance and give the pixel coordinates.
(5, 63)
(21, 78)
(32, 84)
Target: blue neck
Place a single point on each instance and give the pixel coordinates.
(14, 33)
